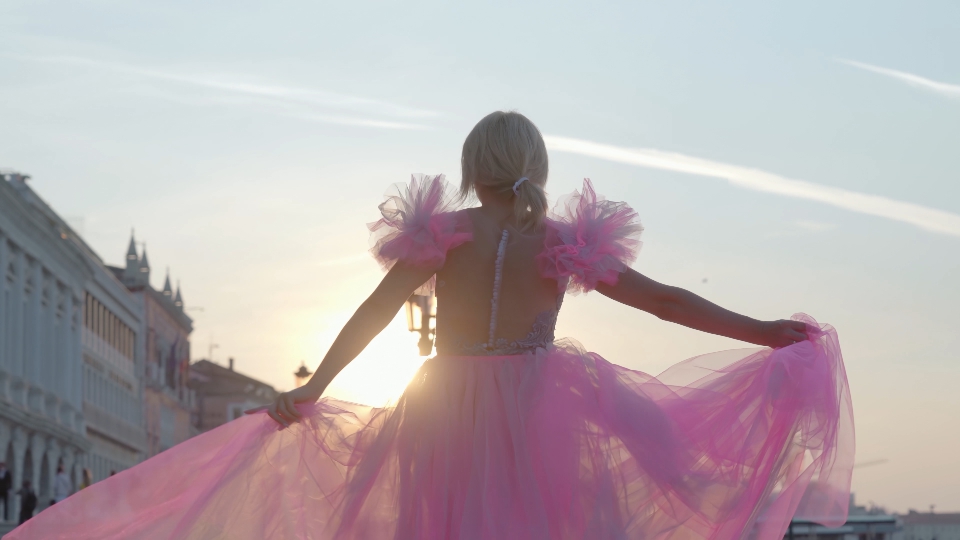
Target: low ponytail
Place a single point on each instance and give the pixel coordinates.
(530, 205)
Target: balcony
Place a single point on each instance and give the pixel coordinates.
(103, 351)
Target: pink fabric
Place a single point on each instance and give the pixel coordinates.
(556, 444)
(419, 224)
(561, 444)
(589, 240)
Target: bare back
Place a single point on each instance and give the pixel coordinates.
(527, 303)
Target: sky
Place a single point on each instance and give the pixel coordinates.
(783, 158)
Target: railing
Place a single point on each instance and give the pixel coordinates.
(30, 398)
(106, 353)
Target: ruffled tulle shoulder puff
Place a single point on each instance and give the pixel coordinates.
(419, 224)
(590, 240)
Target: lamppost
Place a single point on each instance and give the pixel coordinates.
(301, 375)
(420, 310)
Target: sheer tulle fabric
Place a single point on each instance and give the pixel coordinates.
(556, 444)
(560, 444)
(589, 240)
(419, 225)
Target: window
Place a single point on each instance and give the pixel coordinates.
(108, 327)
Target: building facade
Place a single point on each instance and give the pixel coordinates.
(43, 275)
(111, 370)
(863, 523)
(94, 362)
(112, 376)
(930, 526)
(857, 527)
(223, 394)
(168, 401)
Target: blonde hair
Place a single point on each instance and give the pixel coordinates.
(500, 150)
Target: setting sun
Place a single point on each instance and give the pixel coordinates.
(379, 375)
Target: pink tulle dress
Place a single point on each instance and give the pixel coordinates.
(509, 433)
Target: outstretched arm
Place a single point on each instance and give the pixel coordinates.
(370, 319)
(683, 307)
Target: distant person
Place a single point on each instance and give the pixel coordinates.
(6, 484)
(508, 432)
(87, 479)
(28, 501)
(62, 486)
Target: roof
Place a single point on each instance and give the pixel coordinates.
(166, 303)
(930, 518)
(34, 199)
(63, 234)
(210, 378)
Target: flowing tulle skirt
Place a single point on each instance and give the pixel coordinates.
(560, 444)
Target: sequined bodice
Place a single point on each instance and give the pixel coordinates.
(541, 335)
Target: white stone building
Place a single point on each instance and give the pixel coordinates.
(112, 357)
(42, 289)
(112, 374)
(71, 351)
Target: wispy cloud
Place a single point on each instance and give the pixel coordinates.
(304, 103)
(362, 122)
(926, 218)
(946, 89)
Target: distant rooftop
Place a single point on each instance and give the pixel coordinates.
(213, 379)
(930, 518)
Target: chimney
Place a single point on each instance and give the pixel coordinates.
(231, 363)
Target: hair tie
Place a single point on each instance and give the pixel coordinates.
(516, 187)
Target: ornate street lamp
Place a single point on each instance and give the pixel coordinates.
(420, 311)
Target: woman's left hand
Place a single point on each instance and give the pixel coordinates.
(784, 332)
(284, 409)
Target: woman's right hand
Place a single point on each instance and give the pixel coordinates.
(284, 410)
(784, 333)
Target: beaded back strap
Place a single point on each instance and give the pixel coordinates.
(497, 279)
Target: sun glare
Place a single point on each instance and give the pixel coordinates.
(380, 374)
